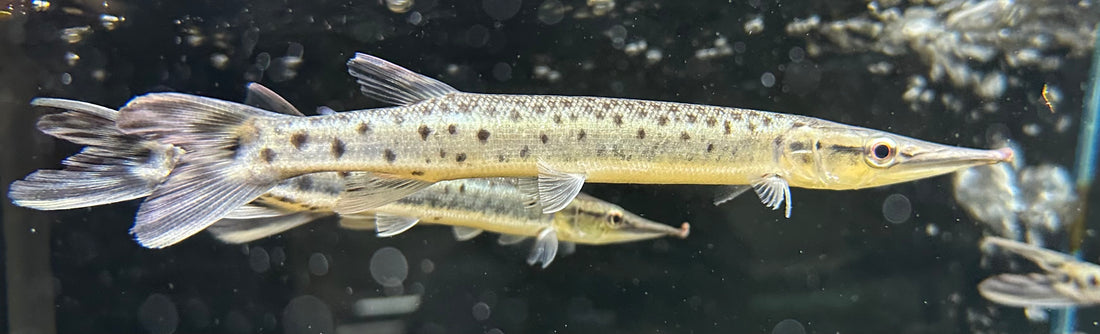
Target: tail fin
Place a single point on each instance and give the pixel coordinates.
(208, 183)
(114, 167)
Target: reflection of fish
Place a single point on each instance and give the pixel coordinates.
(1065, 281)
(237, 152)
(471, 205)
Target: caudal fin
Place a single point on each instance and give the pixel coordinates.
(114, 167)
(209, 182)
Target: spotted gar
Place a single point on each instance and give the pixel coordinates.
(116, 167)
(435, 132)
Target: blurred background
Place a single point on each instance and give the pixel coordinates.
(896, 259)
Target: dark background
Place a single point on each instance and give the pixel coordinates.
(836, 266)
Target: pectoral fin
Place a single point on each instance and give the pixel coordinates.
(727, 193)
(366, 191)
(773, 191)
(557, 189)
(546, 247)
(463, 233)
(390, 225)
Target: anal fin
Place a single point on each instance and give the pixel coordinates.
(239, 231)
(463, 233)
(390, 225)
(510, 239)
(361, 221)
(727, 193)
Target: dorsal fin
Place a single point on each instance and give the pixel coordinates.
(389, 83)
(261, 97)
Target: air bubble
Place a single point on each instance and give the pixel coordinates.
(896, 208)
(551, 12)
(768, 79)
(318, 264)
(789, 326)
(158, 314)
(389, 267)
(481, 311)
(258, 260)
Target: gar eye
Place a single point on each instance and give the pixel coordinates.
(615, 218)
(881, 152)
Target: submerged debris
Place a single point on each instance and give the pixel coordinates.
(964, 43)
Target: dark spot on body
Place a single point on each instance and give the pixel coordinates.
(442, 153)
(733, 151)
(599, 114)
(566, 103)
(299, 139)
(662, 120)
(710, 147)
(344, 175)
(389, 155)
(778, 141)
(1093, 281)
(581, 135)
(500, 158)
(751, 126)
(736, 116)
(797, 146)
(424, 131)
(557, 118)
(418, 173)
(515, 116)
(618, 119)
(797, 125)
(304, 182)
(462, 188)
(267, 154)
(363, 128)
(685, 136)
(544, 138)
(460, 157)
(338, 148)
(524, 152)
(641, 133)
(729, 129)
(691, 118)
(452, 129)
(711, 122)
(482, 136)
(817, 145)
